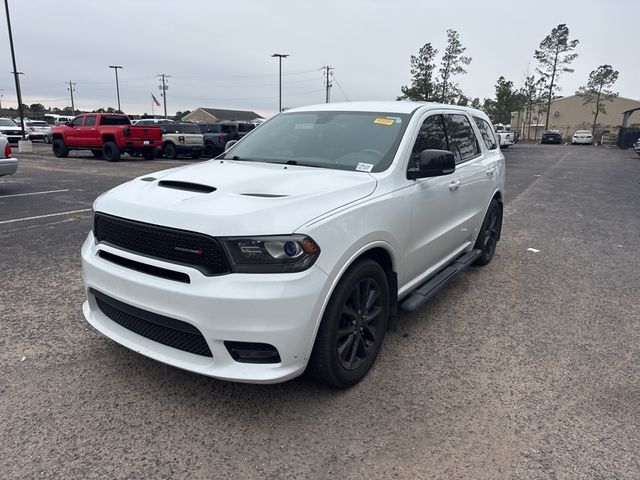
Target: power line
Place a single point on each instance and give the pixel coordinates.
(340, 87)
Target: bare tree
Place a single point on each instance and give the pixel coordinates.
(598, 90)
(554, 57)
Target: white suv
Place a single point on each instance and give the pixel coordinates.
(295, 249)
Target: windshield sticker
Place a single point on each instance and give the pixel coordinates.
(384, 121)
(364, 167)
(303, 126)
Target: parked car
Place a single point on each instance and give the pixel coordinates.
(107, 135)
(505, 136)
(551, 136)
(214, 138)
(181, 139)
(295, 249)
(8, 165)
(636, 146)
(11, 129)
(582, 137)
(38, 129)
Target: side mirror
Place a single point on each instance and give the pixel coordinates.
(433, 163)
(230, 144)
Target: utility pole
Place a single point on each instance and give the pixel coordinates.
(1, 90)
(328, 73)
(71, 90)
(280, 56)
(116, 67)
(164, 87)
(15, 69)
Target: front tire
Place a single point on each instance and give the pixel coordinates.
(353, 327)
(111, 152)
(209, 150)
(489, 233)
(60, 148)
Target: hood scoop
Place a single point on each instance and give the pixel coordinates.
(186, 186)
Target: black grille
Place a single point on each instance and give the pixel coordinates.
(172, 245)
(168, 331)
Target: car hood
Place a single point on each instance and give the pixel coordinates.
(227, 198)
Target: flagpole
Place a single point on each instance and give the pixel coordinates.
(153, 113)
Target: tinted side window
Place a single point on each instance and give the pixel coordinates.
(76, 122)
(90, 121)
(431, 136)
(487, 133)
(462, 140)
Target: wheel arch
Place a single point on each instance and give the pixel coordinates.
(380, 252)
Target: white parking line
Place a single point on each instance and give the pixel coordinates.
(44, 216)
(33, 193)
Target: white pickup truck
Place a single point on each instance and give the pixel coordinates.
(294, 250)
(505, 135)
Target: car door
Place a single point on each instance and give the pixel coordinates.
(471, 178)
(89, 135)
(73, 133)
(434, 217)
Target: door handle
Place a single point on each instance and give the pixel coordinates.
(490, 170)
(454, 185)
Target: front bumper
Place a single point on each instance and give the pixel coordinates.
(282, 310)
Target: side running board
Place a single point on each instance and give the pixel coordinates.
(422, 294)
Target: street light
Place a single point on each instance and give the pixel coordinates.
(280, 57)
(15, 72)
(116, 67)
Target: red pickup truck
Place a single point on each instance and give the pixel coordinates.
(107, 135)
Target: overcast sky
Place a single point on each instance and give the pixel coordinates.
(219, 53)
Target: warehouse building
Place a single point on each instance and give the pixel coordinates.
(568, 114)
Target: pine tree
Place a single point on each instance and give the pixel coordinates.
(554, 57)
(598, 90)
(422, 68)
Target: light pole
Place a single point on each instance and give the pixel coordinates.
(116, 67)
(280, 57)
(15, 72)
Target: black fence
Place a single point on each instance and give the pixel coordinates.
(627, 137)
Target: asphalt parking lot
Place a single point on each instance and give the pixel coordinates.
(527, 368)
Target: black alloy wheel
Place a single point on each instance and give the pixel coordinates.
(489, 233)
(170, 151)
(359, 323)
(353, 326)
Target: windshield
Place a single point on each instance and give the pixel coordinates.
(38, 124)
(362, 141)
(5, 122)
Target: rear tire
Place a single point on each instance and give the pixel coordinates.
(170, 151)
(47, 139)
(353, 327)
(111, 152)
(489, 233)
(60, 148)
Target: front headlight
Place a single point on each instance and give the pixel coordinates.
(272, 254)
